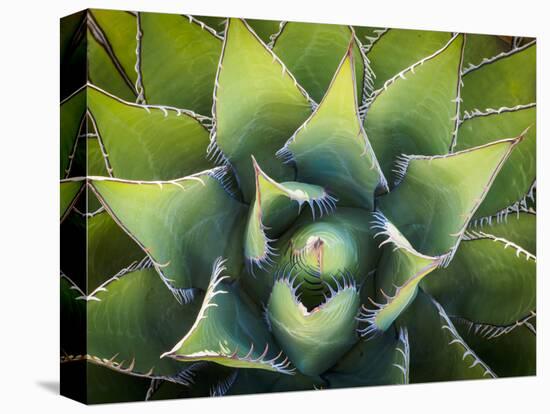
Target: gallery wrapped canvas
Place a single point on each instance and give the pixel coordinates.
(252, 206)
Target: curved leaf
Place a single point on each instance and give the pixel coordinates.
(132, 320)
(519, 172)
(72, 112)
(397, 49)
(119, 29)
(490, 280)
(520, 228)
(398, 274)
(178, 61)
(104, 68)
(276, 206)
(229, 331)
(383, 360)
(258, 105)
(416, 110)
(145, 143)
(480, 47)
(440, 194)
(438, 352)
(510, 355)
(313, 51)
(313, 340)
(73, 50)
(331, 148)
(173, 221)
(507, 80)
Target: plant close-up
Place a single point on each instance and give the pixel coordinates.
(252, 206)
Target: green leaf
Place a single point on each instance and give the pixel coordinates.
(147, 143)
(507, 80)
(275, 207)
(69, 191)
(323, 253)
(229, 330)
(313, 51)
(367, 34)
(178, 61)
(331, 148)
(490, 280)
(97, 164)
(438, 352)
(255, 381)
(480, 47)
(173, 221)
(511, 353)
(416, 110)
(109, 250)
(400, 270)
(383, 360)
(119, 29)
(518, 227)
(313, 340)
(104, 67)
(397, 49)
(264, 28)
(519, 172)
(439, 195)
(132, 319)
(72, 114)
(258, 106)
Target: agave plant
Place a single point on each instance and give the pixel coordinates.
(253, 206)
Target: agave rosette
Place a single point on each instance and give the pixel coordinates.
(272, 206)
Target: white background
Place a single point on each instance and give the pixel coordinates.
(29, 202)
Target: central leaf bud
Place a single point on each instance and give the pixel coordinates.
(321, 255)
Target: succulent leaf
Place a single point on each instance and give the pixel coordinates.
(72, 112)
(127, 336)
(313, 340)
(110, 249)
(258, 105)
(103, 66)
(416, 111)
(176, 219)
(252, 381)
(331, 148)
(497, 276)
(118, 31)
(437, 351)
(481, 46)
(313, 51)
(519, 227)
(396, 49)
(512, 182)
(439, 195)
(384, 360)
(398, 275)
(275, 207)
(511, 354)
(148, 143)
(229, 330)
(177, 61)
(69, 192)
(506, 80)
(265, 29)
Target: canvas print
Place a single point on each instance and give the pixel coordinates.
(254, 206)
